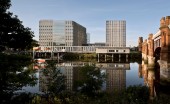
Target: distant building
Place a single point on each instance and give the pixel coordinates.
(95, 44)
(140, 41)
(88, 38)
(99, 44)
(61, 33)
(116, 33)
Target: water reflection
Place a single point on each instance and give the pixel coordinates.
(116, 75)
(115, 81)
(164, 70)
(119, 75)
(153, 76)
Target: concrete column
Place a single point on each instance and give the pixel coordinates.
(52, 55)
(112, 57)
(105, 57)
(119, 57)
(126, 57)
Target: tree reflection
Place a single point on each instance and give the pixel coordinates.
(90, 80)
(13, 75)
(53, 78)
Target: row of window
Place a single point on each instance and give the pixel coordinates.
(45, 26)
(45, 33)
(57, 29)
(110, 29)
(42, 39)
(45, 36)
(117, 50)
(52, 26)
(68, 22)
(45, 29)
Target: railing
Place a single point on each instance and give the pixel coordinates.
(76, 49)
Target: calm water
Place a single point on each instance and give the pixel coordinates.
(119, 75)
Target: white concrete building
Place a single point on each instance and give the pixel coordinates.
(116, 33)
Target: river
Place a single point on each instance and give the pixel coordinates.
(119, 75)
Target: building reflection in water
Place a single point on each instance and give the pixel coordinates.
(152, 75)
(116, 75)
(115, 81)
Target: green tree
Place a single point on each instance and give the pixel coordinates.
(34, 44)
(12, 33)
(56, 80)
(13, 76)
(136, 94)
(90, 80)
(4, 5)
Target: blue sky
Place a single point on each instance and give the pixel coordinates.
(142, 16)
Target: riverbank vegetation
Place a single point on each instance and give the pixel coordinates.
(79, 56)
(133, 57)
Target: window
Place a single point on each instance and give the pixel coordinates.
(111, 50)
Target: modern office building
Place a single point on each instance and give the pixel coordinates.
(61, 33)
(116, 33)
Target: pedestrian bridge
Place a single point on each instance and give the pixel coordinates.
(82, 49)
(55, 52)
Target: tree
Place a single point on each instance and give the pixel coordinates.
(4, 5)
(91, 79)
(12, 33)
(34, 44)
(13, 76)
(136, 94)
(54, 79)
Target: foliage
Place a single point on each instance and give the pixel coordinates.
(71, 56)
(12, 33)
(34, 43)
(56, 80)
(5, 4)
(137, 94)
(161, 99)
(79, 56)
(89, 55)
(90, 80)
(13, 76)
(22, 98)
(136, 57)
(132, 95)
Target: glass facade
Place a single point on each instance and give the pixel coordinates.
(61, 33)
(58, 33)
